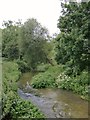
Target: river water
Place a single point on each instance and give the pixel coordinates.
(54, 103)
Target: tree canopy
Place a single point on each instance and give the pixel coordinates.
(72, 48)
(33, 40)
(10, 38)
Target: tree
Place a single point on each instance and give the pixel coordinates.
(10, 38)
(72, 48)
(33, 39)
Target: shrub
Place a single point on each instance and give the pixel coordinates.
(10, 76)
(22, 65)
(46, 79)
(24, 109)
(43, 67)
(78, 84)
(13, 106)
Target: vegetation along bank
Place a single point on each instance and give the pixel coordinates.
(62, 60)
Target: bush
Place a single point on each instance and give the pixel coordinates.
(43, 67)
(22, 65)
(68, 71)
(10, 76)
(62, 81)
(46, 79)
(13, 106)
(78, 84)
(24, 109)
(42, 80)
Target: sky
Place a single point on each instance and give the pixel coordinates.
(46, 12)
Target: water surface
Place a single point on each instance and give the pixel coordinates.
(54, 103)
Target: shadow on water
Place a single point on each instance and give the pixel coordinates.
(54, 103)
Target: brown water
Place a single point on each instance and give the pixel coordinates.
(54, 103)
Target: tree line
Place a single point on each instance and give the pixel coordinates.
(30, 42)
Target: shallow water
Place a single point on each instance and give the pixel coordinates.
(54, 103)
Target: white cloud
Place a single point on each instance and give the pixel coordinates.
(46, 12)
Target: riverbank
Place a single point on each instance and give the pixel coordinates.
(13, 106)
(57, 103)
(56, 77)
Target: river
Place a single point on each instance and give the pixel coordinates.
(53, 102)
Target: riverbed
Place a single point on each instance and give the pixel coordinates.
(53, 102)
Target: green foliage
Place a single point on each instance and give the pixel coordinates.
(78, 84)
(47, 78)
(10, 76)
(10, 38)
(50, 52)
(27, 42)
(72, 47)
(43, 67)
(11, 51)
(22, 65)
(72, 42)
(33, 40)
(13, 106)
(24, 109)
